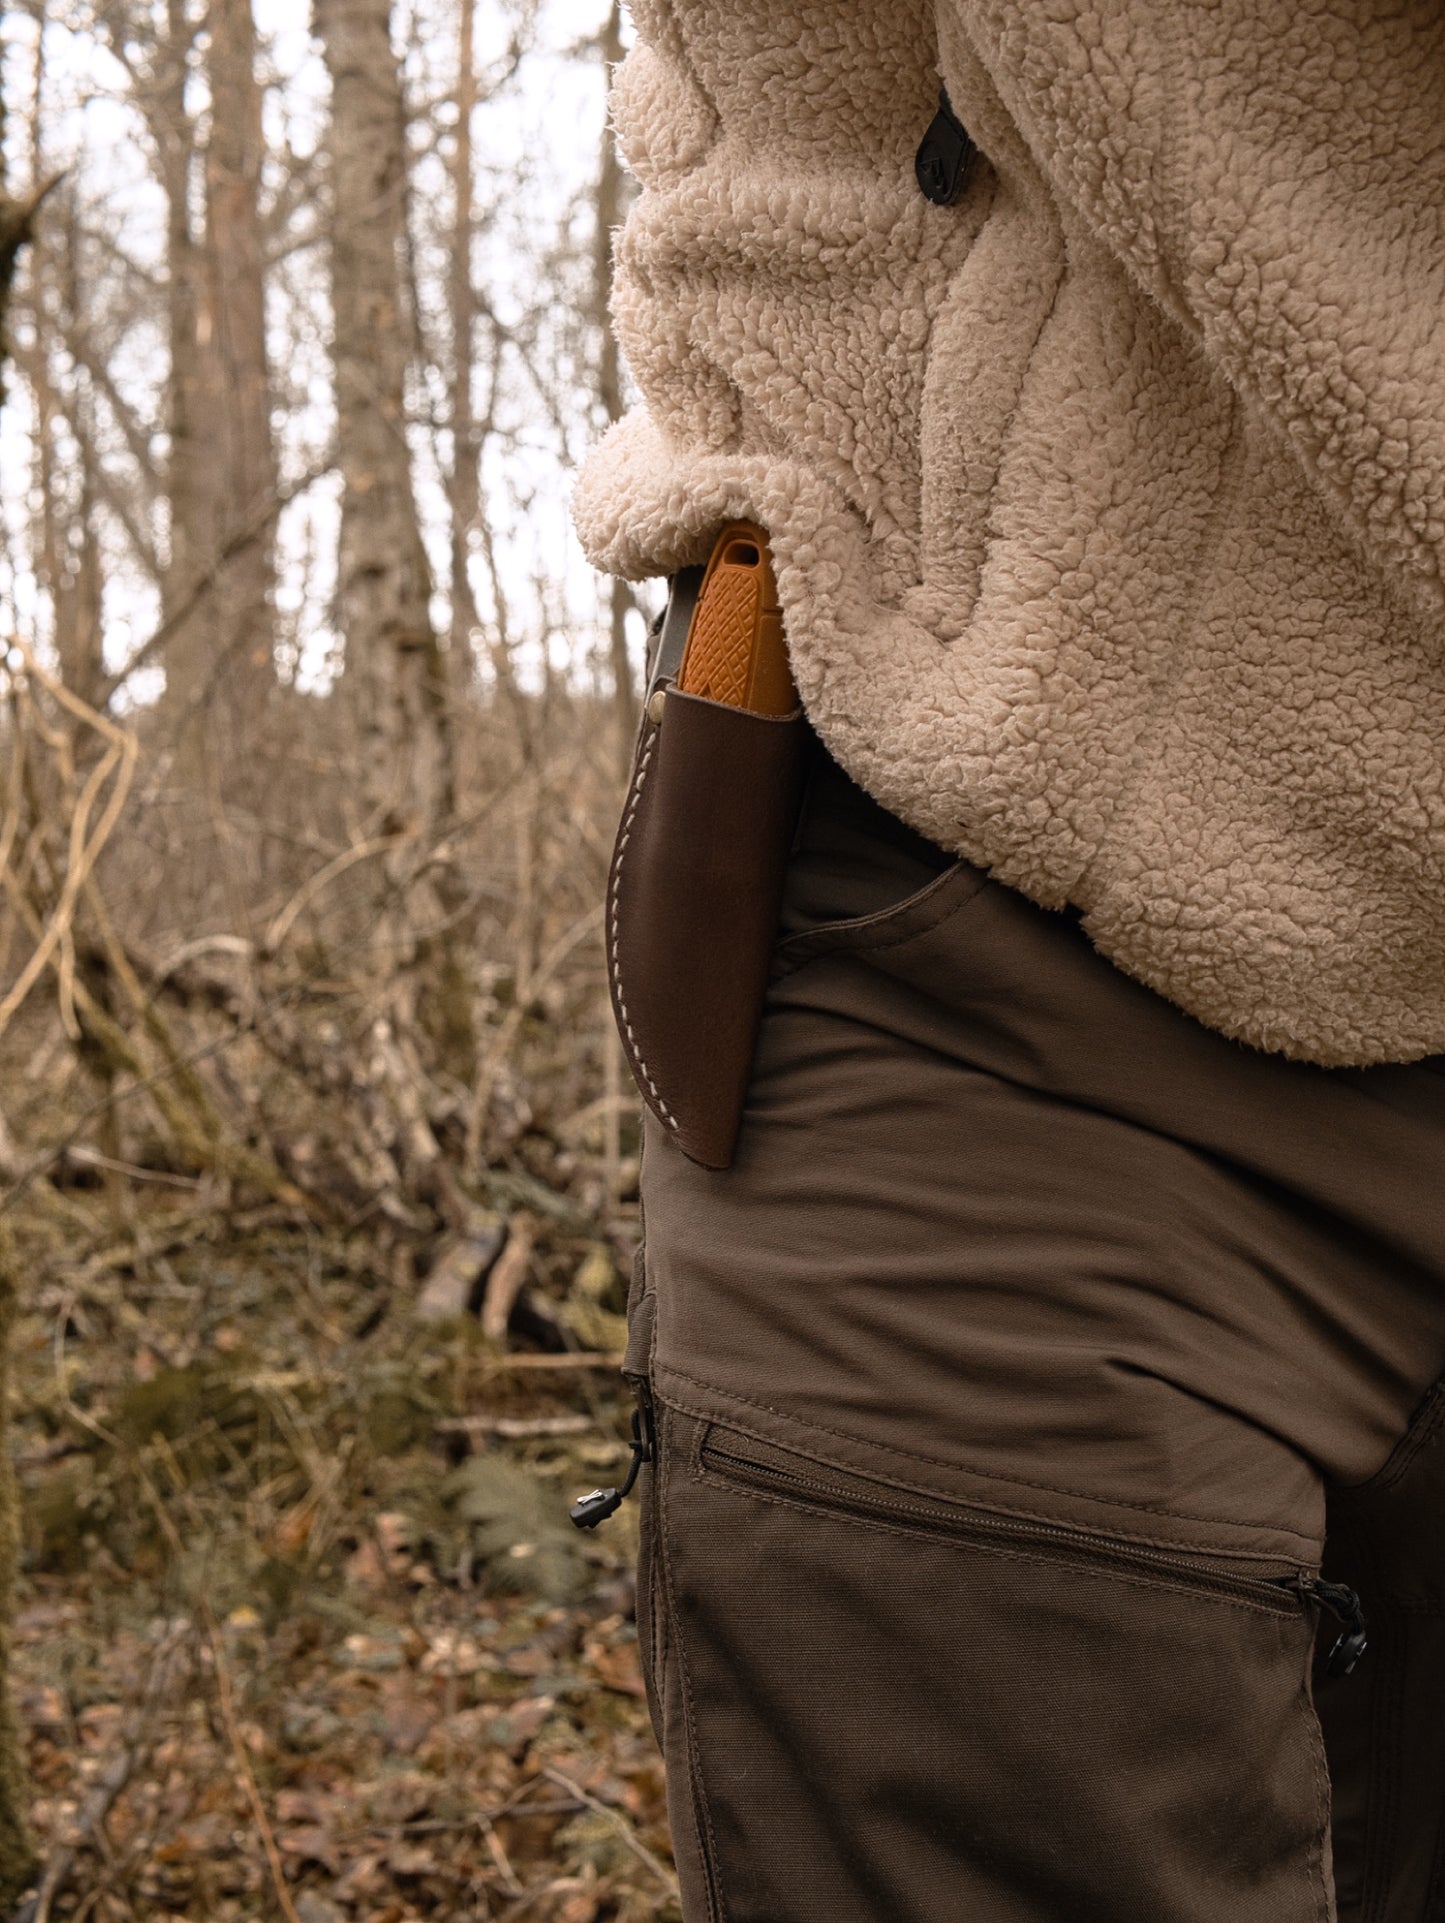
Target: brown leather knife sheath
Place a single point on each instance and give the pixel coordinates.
(697, 870)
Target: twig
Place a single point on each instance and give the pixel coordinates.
(243, 1766)
(509, 1272)
(498, 1853)
(640, 1850)
(236, 945)
(281, 927)
(89, 1157)
(201, 587)
(563, 1359)
(516, 1428)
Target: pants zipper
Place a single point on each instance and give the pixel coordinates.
(1282, 1594)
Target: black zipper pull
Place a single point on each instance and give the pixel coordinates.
(592, 1509)
(1343, 1604)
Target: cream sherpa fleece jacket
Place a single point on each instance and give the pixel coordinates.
(1108, 503)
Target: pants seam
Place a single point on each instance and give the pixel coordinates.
(1425, 1428)
(1319, 1769)
(702, 1814)
(920, 916)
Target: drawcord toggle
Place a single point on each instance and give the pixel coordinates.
(596, 1507)
(1344, 1605)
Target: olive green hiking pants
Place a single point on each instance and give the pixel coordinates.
(1011, 1390)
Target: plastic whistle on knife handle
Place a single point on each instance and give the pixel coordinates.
(736, 652)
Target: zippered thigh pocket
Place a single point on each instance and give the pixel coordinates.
(910, 1707)
(777, 1474)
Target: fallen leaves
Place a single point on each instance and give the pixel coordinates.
(398, 1653)
(413, 1770)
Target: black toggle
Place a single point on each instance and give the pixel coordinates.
(588, 1511)
(941, 164)
(1344, 1605)
(591, 1509)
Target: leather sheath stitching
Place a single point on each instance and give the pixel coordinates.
(622, 840)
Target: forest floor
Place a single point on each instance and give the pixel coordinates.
(303, 1630)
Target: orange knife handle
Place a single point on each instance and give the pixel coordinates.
(736, 651)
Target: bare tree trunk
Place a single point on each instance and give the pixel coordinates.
(393, 656)
(222, 469)
(236, 288)
(395, 677)
(67, 534)
(465, 480)
(193, 478)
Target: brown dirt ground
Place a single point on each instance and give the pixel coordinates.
(303, 1631)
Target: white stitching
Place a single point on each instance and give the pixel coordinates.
(622, 842)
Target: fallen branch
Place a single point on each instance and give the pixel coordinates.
(517, 1428)
(509, 1272)
(85, 844)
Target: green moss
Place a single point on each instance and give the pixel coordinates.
(58, 1516)
(397, 1420)
(171, 1404)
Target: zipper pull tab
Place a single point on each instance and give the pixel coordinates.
(1343, 1604)
(590, 1510)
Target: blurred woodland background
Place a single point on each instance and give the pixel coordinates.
(317, 1158)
